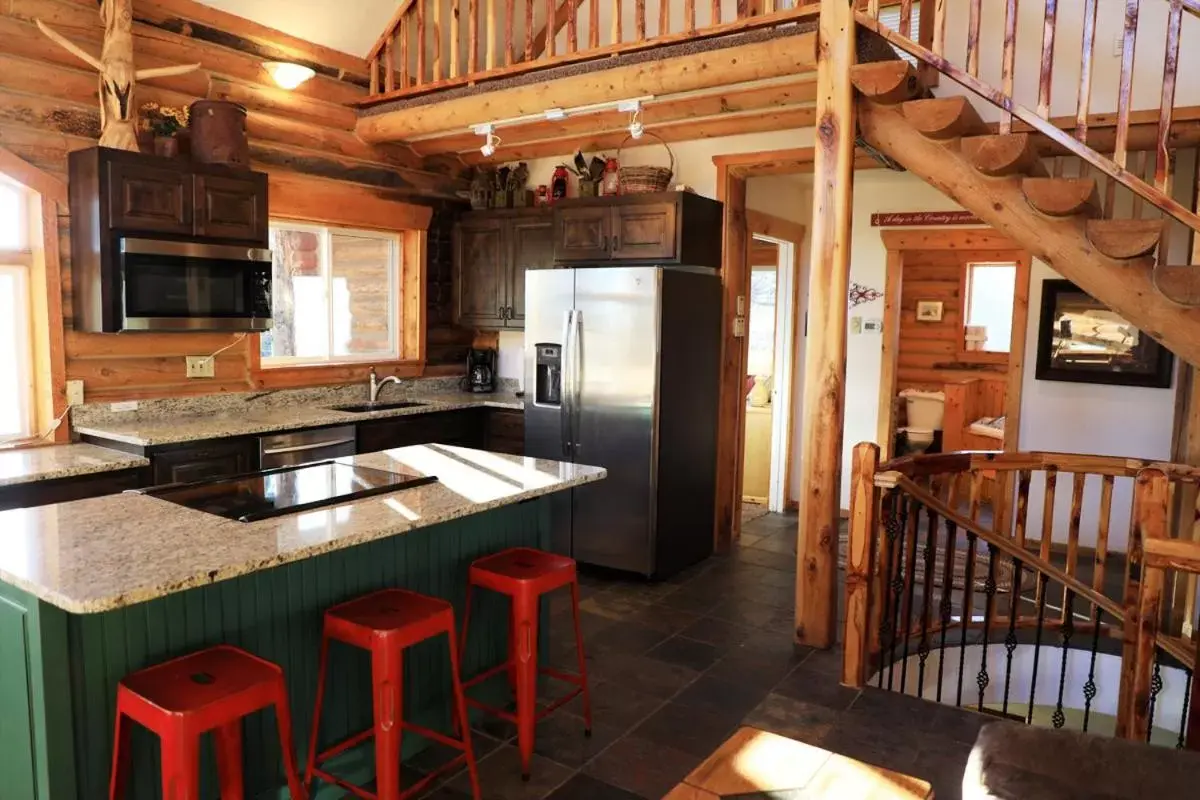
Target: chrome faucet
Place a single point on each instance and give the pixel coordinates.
(377, 385)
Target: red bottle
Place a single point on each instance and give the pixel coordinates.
(611, 183)
(558, 184)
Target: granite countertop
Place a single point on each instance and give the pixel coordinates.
(154, 431)
(62, 461)
(111, 552)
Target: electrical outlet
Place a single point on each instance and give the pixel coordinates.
(74, 393)
(856, 325)
(200, 366)
(739, 327)
(128, 405)
(1118, 45)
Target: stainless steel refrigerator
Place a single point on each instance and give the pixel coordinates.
(621, 371)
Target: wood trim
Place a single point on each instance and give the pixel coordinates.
(299, 197)
(766, 224)
(49, 349)
(947, 239)
(889, 353)
(1016, 356)
(413, 295)
(32, 178)
(731, 431)
(330, 374)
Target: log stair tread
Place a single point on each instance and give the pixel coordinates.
(1125, 238)
(944, 117)
(1000, 155)
(887, 82)
(1179, 284)
(1062, 197)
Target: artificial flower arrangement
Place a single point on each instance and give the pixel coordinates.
(164, 120)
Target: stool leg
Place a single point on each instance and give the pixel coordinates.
(583, 681)
(463, 723)
(387, 681)
(462, 648)
(316, 719)
(525, 636)
(283, 719)
(121, 755)
(228, 740)
(180, 766)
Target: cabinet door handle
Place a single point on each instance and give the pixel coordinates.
(604, 243)
(616, 243)
(500, 312)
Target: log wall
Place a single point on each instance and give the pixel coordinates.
(49, 107)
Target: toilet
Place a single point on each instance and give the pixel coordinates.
(925, 412)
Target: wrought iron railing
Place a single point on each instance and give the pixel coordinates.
(953, 601)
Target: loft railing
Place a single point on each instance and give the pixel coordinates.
(438, 44)
(995, 610)
(966, 70)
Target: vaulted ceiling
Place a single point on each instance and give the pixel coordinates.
(351, 26)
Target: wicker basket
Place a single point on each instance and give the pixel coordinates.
(643, 180)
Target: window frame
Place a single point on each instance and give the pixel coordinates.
(984, 356)
(396, 283)
(20, 263)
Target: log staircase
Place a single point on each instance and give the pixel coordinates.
(1081, 228)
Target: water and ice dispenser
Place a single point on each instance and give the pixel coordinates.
(548, 376)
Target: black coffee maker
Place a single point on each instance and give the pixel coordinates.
(481, 370)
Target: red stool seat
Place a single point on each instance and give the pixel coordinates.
(525, 574)
(385, 623)
(206, 691)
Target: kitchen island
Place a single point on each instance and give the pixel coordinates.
(95, 589)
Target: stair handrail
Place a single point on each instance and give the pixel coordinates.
(1039, 120)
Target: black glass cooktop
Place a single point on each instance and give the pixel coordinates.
(288, 490)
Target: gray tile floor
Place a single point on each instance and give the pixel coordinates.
(676, 667)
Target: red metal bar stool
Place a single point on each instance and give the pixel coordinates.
(385, 623)
(206, 691)
(525, 574)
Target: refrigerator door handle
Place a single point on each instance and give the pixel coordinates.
(564, 413)
(576, 379)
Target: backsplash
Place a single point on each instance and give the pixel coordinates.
(99, 414)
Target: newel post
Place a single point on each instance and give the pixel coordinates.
(860, 567)
(1143, 605)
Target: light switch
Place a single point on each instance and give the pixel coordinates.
(200, 367)
(856, 325)
(741, 305)
(872, 326)
(74, 393)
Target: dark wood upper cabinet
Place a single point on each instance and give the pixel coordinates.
(149, 197)
(662, 228)
(231, 208)
(493, 249)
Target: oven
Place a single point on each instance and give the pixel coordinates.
(185, 286)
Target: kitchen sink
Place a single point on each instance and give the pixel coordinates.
(365, 408)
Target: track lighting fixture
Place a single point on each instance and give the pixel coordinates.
(491, 140)
(634, 107)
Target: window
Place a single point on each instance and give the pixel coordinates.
(890, 19)
(990, 289)
(336, 296)
(16, 358)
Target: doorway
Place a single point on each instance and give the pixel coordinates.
(771, 304)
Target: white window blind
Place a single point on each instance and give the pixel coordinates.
(890, 18)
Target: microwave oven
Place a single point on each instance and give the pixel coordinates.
(167, 285)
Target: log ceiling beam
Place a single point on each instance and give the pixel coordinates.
(709, 69)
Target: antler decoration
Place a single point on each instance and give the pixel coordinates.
(117, 75)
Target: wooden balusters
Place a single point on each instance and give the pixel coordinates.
(639, 10)
(1139, 169)
(1143, 618)
(529, 29)
(572, 26)
(1101, 556)
(1125, 91)
(594, 23)
(716, 12)
(489, 46)
(389, 66)
(873, 9)
(906, 17)
(550, 31)
(1162, 168)
(1084, 103)
(689, 15)
(422, 40)
(1046, 75)
(1023, 481)
(973, 37)
(404, 76)
(437, 40)
(616, 22)
(1008, 60)
(1077, 485)
(939, 26)
(864, 527)
(664, 17)
(455, 35)
(510, 11)
(1047, 519)
(374, 87)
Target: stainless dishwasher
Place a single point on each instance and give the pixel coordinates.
(304, 447)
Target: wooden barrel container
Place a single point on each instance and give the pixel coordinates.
(218, 130)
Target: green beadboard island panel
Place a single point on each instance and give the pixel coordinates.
(60, 671)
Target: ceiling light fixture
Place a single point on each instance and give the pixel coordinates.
(288, 75)
(491, 140)
(634, 107)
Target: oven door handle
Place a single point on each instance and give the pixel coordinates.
(300, 448)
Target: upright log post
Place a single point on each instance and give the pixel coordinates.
(1143, 607)
(825, 370)
(864, 526)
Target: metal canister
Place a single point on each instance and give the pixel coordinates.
(218, 129)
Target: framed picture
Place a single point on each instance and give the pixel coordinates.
(1082, 341)
(929, 311)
